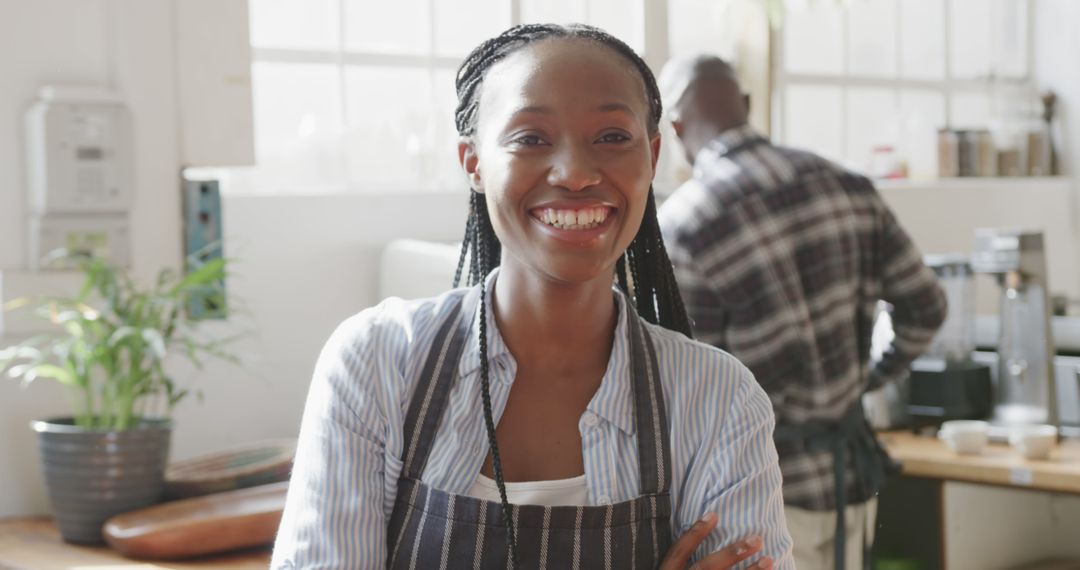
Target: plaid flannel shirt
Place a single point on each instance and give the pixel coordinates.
(781, 257)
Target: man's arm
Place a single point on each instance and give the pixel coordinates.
(918, 303)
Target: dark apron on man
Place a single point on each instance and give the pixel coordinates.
(872, 464)
(432, 529)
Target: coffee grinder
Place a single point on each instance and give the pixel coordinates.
(945, 383)
(1024, 384)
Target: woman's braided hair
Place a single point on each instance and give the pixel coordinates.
(650, 284)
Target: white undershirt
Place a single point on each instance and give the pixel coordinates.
(555, 493)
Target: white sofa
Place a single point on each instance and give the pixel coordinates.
(413, 269)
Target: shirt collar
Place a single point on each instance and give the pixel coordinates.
(731, 140)
(497, 350)
(612, 402)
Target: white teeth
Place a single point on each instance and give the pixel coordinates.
(583, 219)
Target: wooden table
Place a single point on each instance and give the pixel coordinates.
(35, 544)
(999, 464)
(911, 517)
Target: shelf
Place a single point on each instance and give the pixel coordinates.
(975, 183)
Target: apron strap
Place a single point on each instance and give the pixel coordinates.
(654, 457)
(433, 388)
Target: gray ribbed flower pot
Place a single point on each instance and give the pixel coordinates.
(92, 475)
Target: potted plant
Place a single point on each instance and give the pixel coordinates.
(108, 348)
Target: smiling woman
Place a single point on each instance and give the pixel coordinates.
(565, 373)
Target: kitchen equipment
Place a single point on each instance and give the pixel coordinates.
(203, 525)
(1024, 385)
(945, 383)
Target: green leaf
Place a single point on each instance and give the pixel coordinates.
(176, 397)
(19, 351)
(93, 273)
(17, 303)
(121, 334)
(209, 272)
(157, 344)
(74, 328)
(51, 371)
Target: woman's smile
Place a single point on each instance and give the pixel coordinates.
(577, 224)
(572, 219)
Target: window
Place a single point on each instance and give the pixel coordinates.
(857, 75)
(358, 96)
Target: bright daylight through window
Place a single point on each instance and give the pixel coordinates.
(358, 96)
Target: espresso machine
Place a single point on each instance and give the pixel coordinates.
(1024, 390)
(945, 383)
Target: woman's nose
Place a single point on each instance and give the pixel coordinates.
(574, 169)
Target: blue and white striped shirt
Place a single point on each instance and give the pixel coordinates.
(350, 452)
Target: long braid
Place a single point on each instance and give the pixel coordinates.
(644, 272)
(464, 245)
(620, 275)
(489, 417)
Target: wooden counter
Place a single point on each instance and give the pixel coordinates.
(999, 464)
(34, 544)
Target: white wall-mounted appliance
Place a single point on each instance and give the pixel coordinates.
(80, 174)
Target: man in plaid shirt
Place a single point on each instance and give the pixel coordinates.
(781, 257)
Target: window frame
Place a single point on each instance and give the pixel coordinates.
(948, 87)
(652, 30)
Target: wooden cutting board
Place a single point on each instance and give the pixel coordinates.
(203, 525)
(33, 543)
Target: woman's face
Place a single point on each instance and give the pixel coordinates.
(564, 156)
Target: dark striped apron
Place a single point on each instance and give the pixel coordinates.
(430, 528)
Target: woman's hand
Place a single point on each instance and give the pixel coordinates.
(679, 556)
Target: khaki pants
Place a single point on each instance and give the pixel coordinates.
(813, 531)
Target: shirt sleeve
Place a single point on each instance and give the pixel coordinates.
(918, 305)
(334, 515)
(745, 490)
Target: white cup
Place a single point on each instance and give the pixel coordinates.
(1034, 441)
(965, 437)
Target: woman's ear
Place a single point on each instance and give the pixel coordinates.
(470, 162)
(654, 148)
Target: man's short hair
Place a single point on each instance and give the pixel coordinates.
(681, 72)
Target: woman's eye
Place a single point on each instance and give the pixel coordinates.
(613, 138)
(529, 140)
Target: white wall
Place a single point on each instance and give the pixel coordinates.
(303, 263)
(1056, 44)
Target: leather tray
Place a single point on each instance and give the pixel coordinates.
(202, 525)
